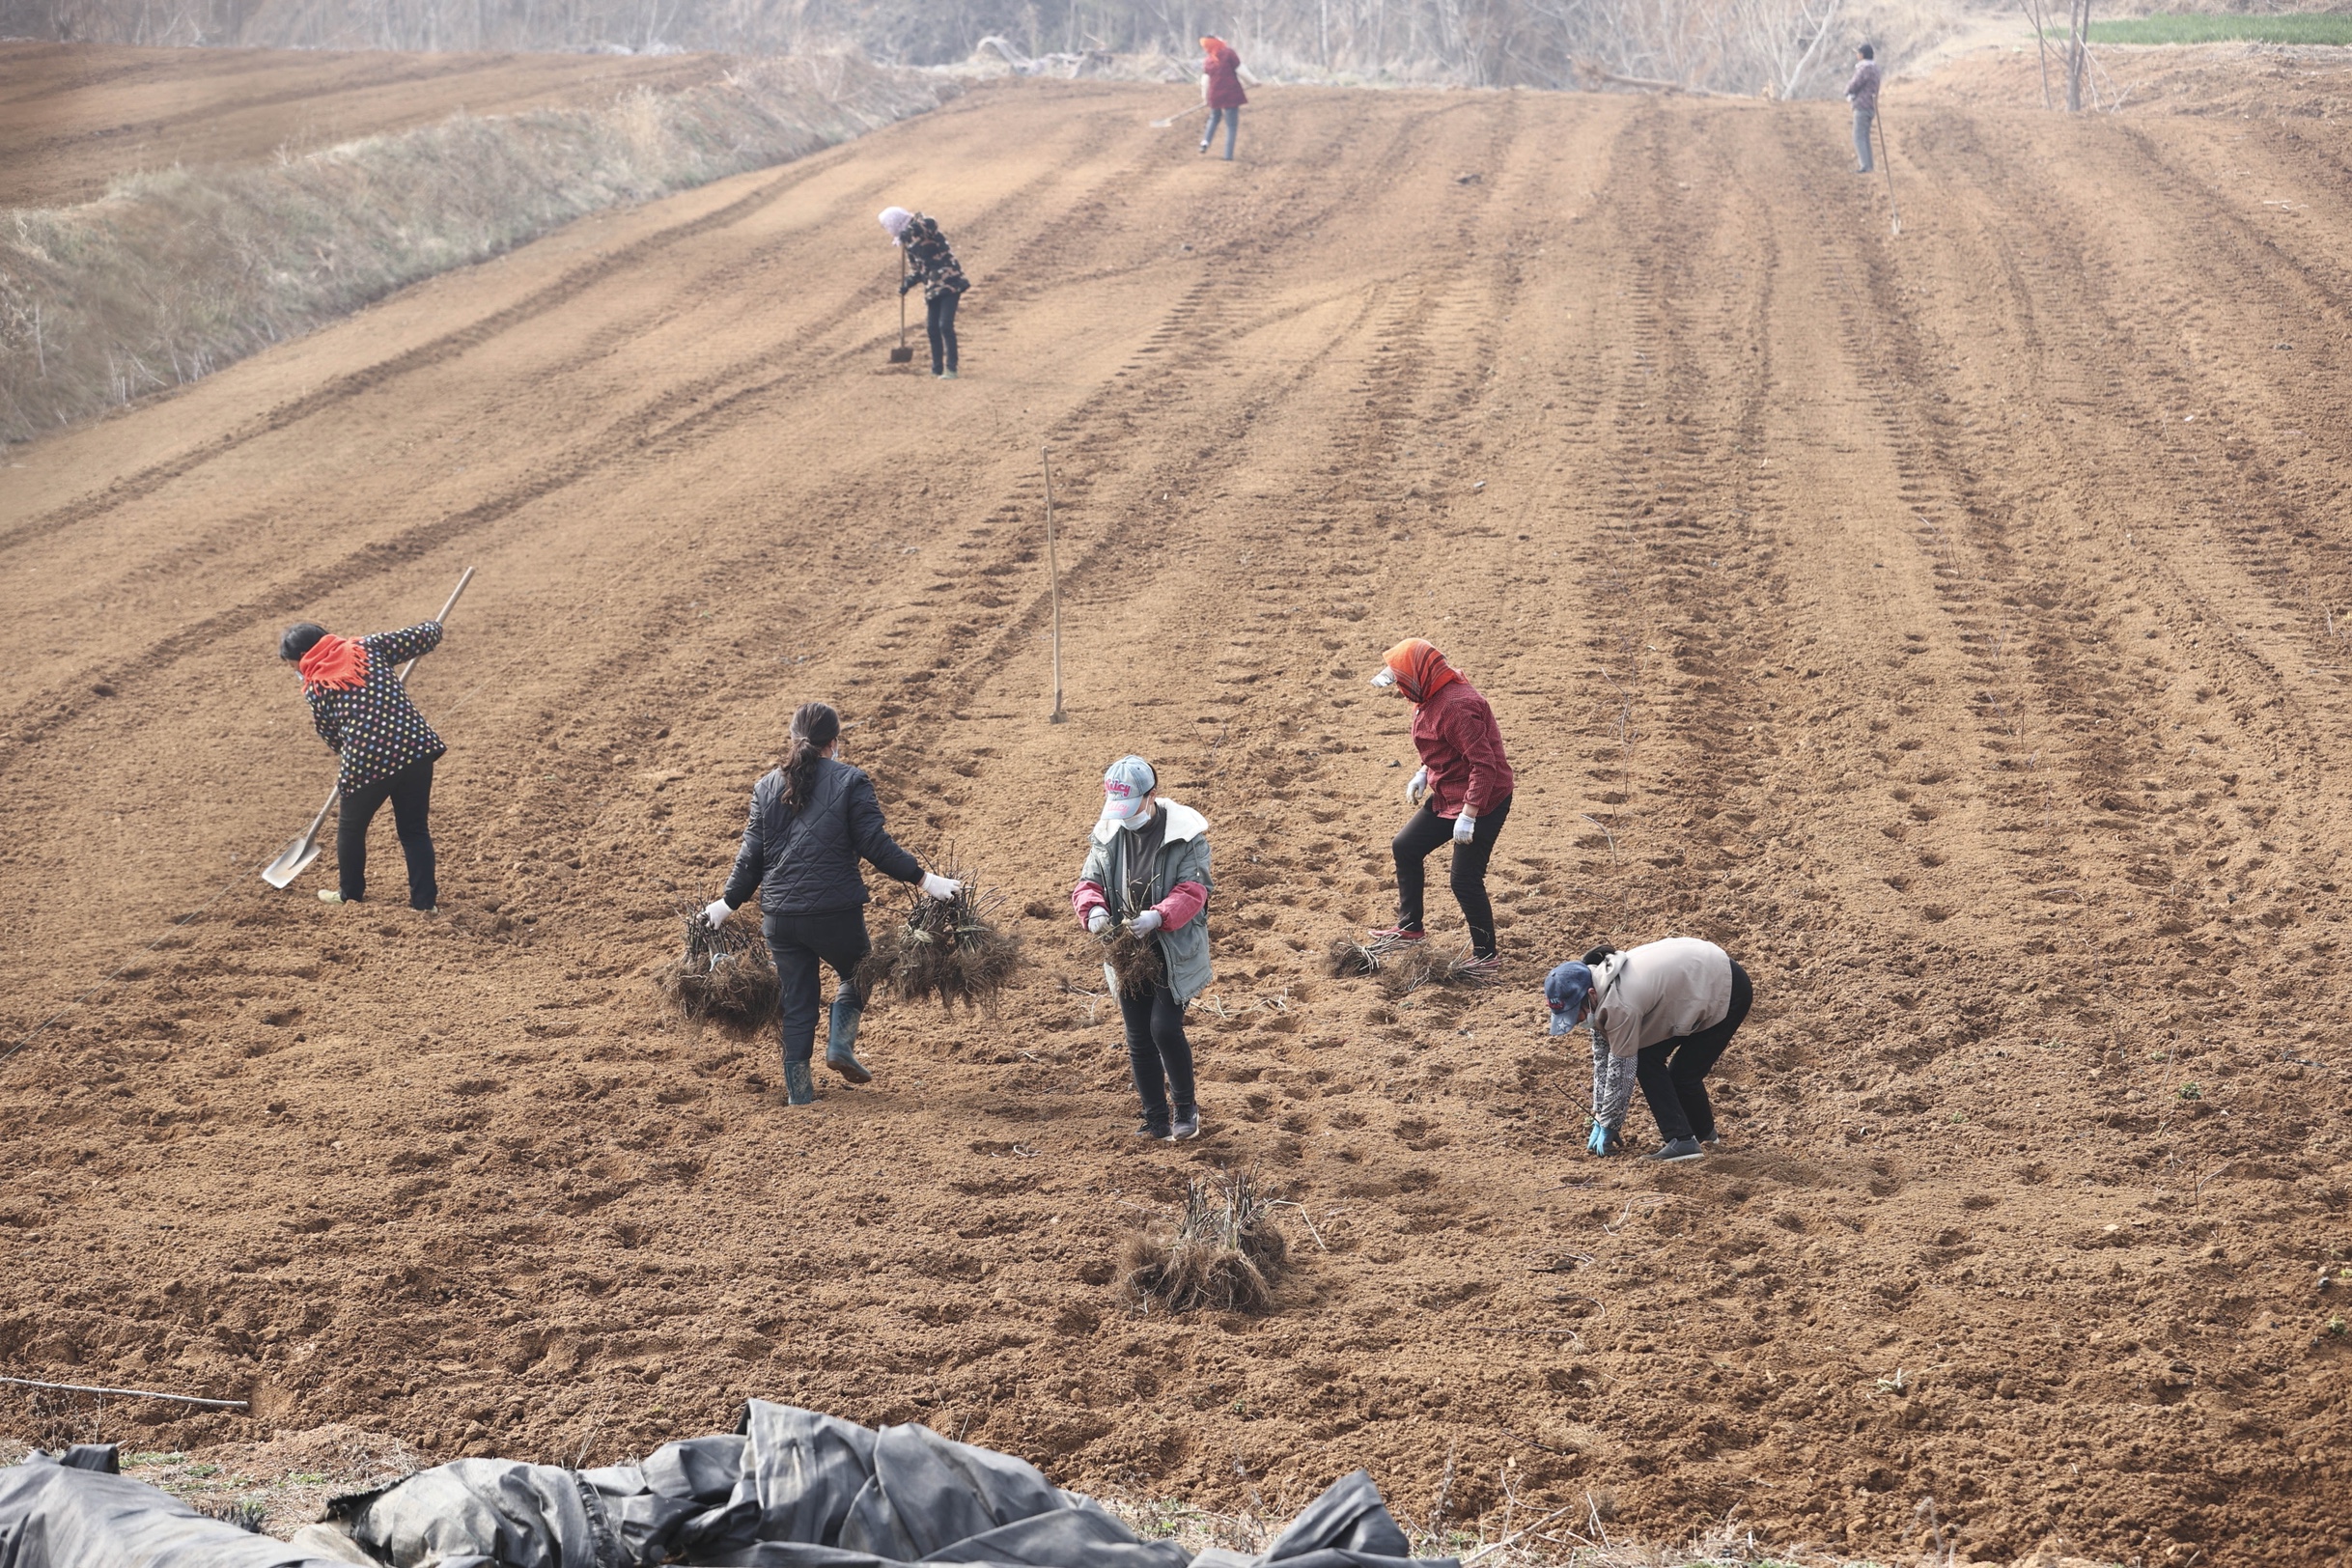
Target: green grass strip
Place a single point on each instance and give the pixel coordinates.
(2306, 28)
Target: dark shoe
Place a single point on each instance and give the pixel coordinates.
(1187, 1128)
(799, 1089)
(841, 1033)
(1153, 1134)
(1679, 1150)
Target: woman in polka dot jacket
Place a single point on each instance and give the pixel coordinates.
(362, 710)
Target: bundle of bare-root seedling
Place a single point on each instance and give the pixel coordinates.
(725, 974)
(1135, 963)
(952, 949)
(1405, 969)
(1347, 959)
(1222, 1253)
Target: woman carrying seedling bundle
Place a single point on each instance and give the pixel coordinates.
(1663, 1013)
(1462, 790)
(1147, 866)
(931, 264)
(811, 821)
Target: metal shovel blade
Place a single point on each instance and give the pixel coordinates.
(902, 357)
(292, 861)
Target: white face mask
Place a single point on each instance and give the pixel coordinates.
(1137, 823)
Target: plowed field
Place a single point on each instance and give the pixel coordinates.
(1953, 625)
(73, 117)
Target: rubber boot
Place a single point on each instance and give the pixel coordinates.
(799, 1089)
(841, 1033)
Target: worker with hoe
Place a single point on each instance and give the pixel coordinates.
(1463, 793)
(1662, 1014)
(932, 264)
(1220, 88)
(361, 708)
(1862, 90)
(1147, 865)
(811, 821)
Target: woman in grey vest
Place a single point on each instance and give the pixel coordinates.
(1147, 864)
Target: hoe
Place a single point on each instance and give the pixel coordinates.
(295, 857)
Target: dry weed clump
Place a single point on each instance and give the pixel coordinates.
(1222, 1254)
(952, 950)
(725, 974)
(176, 273)
(1408, 969)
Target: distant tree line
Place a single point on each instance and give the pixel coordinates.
(1782, 47)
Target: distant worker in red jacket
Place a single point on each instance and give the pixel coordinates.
(1463, 792)
(1220, 88)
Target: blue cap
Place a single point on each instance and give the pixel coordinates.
(1565, 989)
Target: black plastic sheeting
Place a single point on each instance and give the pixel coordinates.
(789, 1489)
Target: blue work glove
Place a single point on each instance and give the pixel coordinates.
(1466, 827)
(1144, 924)
(1602, 1141)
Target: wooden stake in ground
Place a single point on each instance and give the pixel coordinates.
(1053, 570)
(1886, 161)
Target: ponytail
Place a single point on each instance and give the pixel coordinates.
(814, 727)
(1594, 959)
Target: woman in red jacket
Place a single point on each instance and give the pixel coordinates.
(1220, 88)
(1462, 790)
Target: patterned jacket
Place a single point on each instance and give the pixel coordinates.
(1862, 88)
(374, 725)
(928, 261)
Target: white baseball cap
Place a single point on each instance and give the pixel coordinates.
(1125, 784)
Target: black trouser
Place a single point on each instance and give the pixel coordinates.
(799, 942)
(410, 792)
(1424, 834)
(1159, 1054)
(1673, 1073)
(939, 321)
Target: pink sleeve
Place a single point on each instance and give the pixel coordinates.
(1185, 900)
(1086, 898)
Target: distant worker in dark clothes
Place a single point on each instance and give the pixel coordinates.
(1220, 88)
(1147, 864)
(1662, 1014)
(360, 708)
(932, 264)
(1862, 90)
(811, 821)
(1462, 790)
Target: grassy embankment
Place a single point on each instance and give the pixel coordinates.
(174, 274)
(2192, 28)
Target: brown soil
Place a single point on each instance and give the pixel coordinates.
(1941, 623)
(75, 116)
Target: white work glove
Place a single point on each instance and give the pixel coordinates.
(940, 888)
(1144, 924)
(1416, 787)
(714, 914)
(1098, 919)
(1465, 826)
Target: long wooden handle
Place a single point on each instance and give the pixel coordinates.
(468, 576)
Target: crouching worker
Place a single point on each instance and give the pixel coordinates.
(360, 708)
(812, 820)
(1147, 865)
(1662, 1014)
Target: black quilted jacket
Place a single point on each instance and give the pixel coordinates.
(805, 863)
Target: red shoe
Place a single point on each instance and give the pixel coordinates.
(1394, 935)
(1482, 968)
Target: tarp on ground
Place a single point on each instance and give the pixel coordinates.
(788, 1489)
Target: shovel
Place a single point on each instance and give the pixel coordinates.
(1163, 124)
(902, 354)
(296, 858)
(1886, 162)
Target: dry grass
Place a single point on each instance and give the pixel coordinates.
(1222, 1254)
(724, 975)
(1401, 967)
(950, 950)
(175, 274)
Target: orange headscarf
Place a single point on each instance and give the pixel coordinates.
(1421, 671)
(334, 665)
